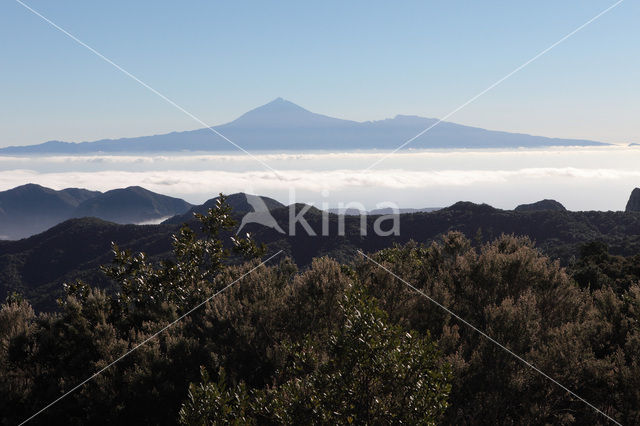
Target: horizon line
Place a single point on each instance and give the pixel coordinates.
(281, 99)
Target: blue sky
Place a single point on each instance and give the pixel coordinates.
(358, 60)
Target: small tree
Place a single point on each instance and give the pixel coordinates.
(184, 280)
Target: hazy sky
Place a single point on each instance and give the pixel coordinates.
(361, 60)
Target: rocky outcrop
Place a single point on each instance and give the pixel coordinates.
(543, 205)
(633, 205)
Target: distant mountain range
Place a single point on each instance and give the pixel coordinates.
(283, 125)
(31, 209)
(37, 266)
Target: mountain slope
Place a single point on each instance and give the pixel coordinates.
(29, 209)
(633, 205)
(131, 205)
(281, 113)
(238, 203)
(541, 205)
(38, 266)
(282, 125)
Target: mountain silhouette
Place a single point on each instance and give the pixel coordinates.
(633, 205)
(30, 209)
(131, 205)
(260, 214)
(281, 113)
(37, 266)
(283, 125)
(541, 205)
(239, 202)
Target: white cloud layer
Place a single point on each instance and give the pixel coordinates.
(582, 178)
(188, 182)
(369, 155)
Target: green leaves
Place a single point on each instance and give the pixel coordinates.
(368, 372)
(184, 280)
(214, 403)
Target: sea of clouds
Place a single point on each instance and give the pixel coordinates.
(581, 178)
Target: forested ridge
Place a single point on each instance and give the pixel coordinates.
(38, 266)
(333, 342)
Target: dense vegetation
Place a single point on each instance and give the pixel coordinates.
(334, 342)
(37, 267)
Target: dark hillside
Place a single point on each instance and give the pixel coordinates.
(131, 205)
(238, 203)
(37, 266)
(29, 209)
